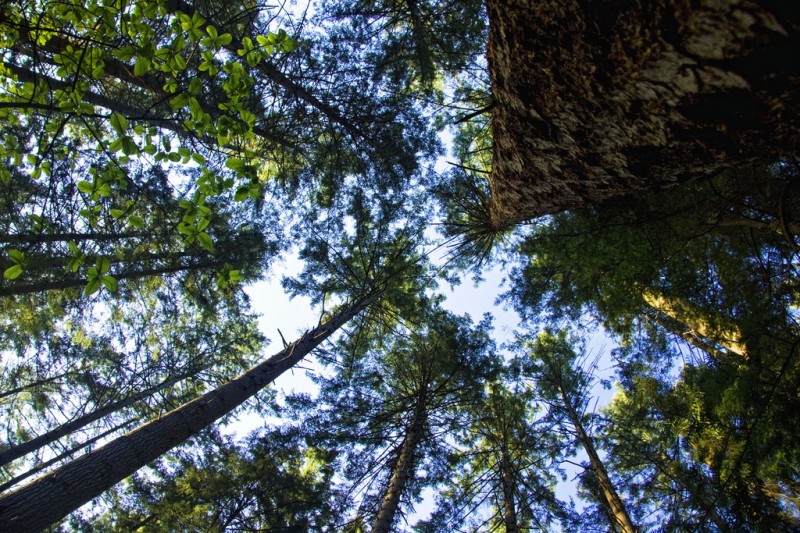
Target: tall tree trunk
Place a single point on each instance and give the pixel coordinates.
(701, 322)
(75, 283)
(613, 501)
(596, 100)
(403, 468)
(53, 496)
(65, 237)
(509, 501)
(45, 439)
(68, 453)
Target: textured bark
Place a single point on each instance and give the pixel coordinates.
(613, 502)
(403, 470)
(51, 497)
(700, 322)
(596, 99)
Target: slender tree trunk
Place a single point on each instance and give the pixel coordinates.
(404, 467)
(65, 237)
(45, 439)
(509, 501)
(613, 501)
(79, 282)
(53, 496)
(39, 383)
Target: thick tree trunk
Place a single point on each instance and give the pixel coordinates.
(595, 99)
(45, 439)
(53, 496)
(712, 327)
(614, 503)
(68, 453)
(403, 469)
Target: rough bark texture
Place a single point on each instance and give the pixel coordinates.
(49, 498)
(596, 99)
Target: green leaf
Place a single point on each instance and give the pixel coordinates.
(16, 256)
(74, 264)
(129, 146)
(136, 221)
(110, 283)
(102, 265)
(117, 213)
(205, 241)
(186, 229)
(86, 187)
(13, 272)
(119, 123)
(235, 275)
(235, 164)
(92, 286)
(242, 193)
(104, 190)
(203, 224)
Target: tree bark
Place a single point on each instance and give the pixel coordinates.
(596, 100)
(700, 322)
(613, 501)
(403, 469)
(53, 496)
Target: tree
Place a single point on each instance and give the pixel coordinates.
(560, 381)
(386, 408)
(72, 485)
(272, 481)
(505, 459)
(632, 98)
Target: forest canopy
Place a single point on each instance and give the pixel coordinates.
(629, 170)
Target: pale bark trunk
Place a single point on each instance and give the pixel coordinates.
(613, 501)
(717, 329)
(404, 468)
(53, 496)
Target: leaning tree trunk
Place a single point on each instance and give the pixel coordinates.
(403, 469)
(595, 99)
(613, 502)
(49, 437)
(51, 497)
